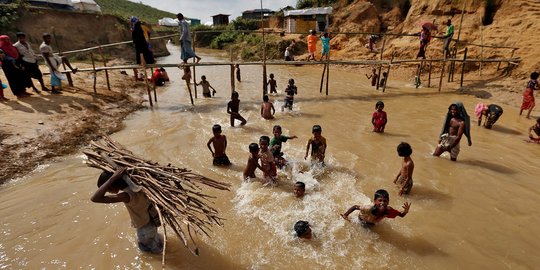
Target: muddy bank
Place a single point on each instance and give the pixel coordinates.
(35, 129)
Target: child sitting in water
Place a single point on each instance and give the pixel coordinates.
(273, 84)
(299, 189)
(220, 145)
(372, 214)
(404, 178)
(233, 108)
(302, 229)
(267, 109)
(318, 146)
(291, 90)
(268, 165)
(253, 162)
(378, 118)
(206, 87)
(275, 145)
(373, 76)
(536, 129)
(144, 216)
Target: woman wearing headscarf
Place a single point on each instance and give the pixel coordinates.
(141, 46)
(8, 48)
(18, 79)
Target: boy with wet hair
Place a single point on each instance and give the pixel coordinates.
(143, 214)
(233, 108)
(275, 145)
(253, 162)
(299, 189)
(302, 229)
(404, 178)
(536, 129)
(268, 165)
(382, 83)
(318, 146)
(378, 118)
(220, 145)
(267, 109)
(206, 87)
(372, 214)
(373, 76)
(291, 90)
(273, 84)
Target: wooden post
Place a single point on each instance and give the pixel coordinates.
(194, 61)
(232, 72)
(454, 53)
(265, 80)
(153, 85)
(322, 78)
(380, 67)
(463, 67)
(327, 71)
(460, 23)
(189, 90)
(442, 74)
(429, 76)
(94, 70)
(481, 49)
(450, 66)
(105, 65)
(388, 72)
(143, 63)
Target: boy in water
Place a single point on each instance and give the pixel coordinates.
(536, 129)
(268, 165)
(299, 189)
(253, 162)
(233, 108)
(291, 90)
(492, 112)
(404, 178)
(383, 79)
(373, 76)
(267, 109)
(238, 76)
(378, 118)
(318, 146)
(220, 145)
(372, 214)
(206, 87)
(273, 84)
(302, 229)
(456, 124)
(275, 145)
(144, 216)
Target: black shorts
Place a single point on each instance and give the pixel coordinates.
(32, 69)
(289, 102)
(221, 161)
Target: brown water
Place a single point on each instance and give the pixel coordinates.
(478, 213)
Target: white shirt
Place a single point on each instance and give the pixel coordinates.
(54, 59)
(26, 52)
(184, 31)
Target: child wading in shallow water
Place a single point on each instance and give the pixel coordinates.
(220, 145)
(268, 165)
(372, 214)
(273, 84)
(267, 109)
(275, 145)
(253, 162)
(404, 178)
(206, 87)
(378, 118)
(373, 76)
(318, 146)
(233, 108)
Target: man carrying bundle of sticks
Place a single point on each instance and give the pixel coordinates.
(144, 216)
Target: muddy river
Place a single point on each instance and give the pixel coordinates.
(477, 213)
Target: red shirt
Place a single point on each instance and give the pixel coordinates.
(392, 213)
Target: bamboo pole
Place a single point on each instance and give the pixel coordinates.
(388, 73)
(482, 48)
(232, 71)
(442, 75)
(380, 67)
(460, 23)
(105, 65)
(429, 76)
(194, 61)
(95, 73)
(188, 86)
(154, 84)
(322, 78)
(265, 80)
(327, 71)
(463, 67)
(143, 63)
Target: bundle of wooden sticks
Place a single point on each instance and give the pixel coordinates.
(176, 192)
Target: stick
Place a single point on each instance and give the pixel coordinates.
(105, 65)
(463, 67)
(429, 76)
(379, 73)
(322, 77)
(194, 61)
(143, 63)
(442, 74)
(388, 73)
(154, 84)
(94, 68)
(327, 71)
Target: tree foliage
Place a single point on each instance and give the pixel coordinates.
(126, 9)
(301, 4)
(245, 24)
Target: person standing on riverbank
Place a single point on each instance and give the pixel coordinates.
(29, 60)
(312, 45)
(53, 62)
(17, 79)
(325, 39)
(185, 40)
(448, 38)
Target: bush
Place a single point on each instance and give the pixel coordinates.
(223, 39)
(204, 38)
(8, 17)
(245, 24)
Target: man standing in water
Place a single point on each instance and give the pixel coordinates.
(186, 51)
(456, 124)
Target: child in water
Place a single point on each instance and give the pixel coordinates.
(220, 145)
(378, 118)
(302, 229)
(382, 83)
(144, 216)
(206, 87)
(273, 84)
(318, 146)
(372, 214)
(275, 145)
(233, 108)
(268, 165)
(291, 90)
(535, 129)
(373, 76)
(267, 109)
(299, 189)
(404, 178)
(253, 162)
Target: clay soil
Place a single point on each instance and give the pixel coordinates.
(36, 129)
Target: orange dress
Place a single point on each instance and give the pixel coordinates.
(312, 43)
(528, 95)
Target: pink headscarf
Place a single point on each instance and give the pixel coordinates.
(7, 47)
(480, 107)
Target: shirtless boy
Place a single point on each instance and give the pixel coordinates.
(273, 84)
(253, 162)
(373, 76)
(291, 90)
(456, 124)
(220, 145)
(206, 87)
(267, 109)
(404, 178)
(318, 146)
(268, 165)
(233, 108)
(373, 214)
